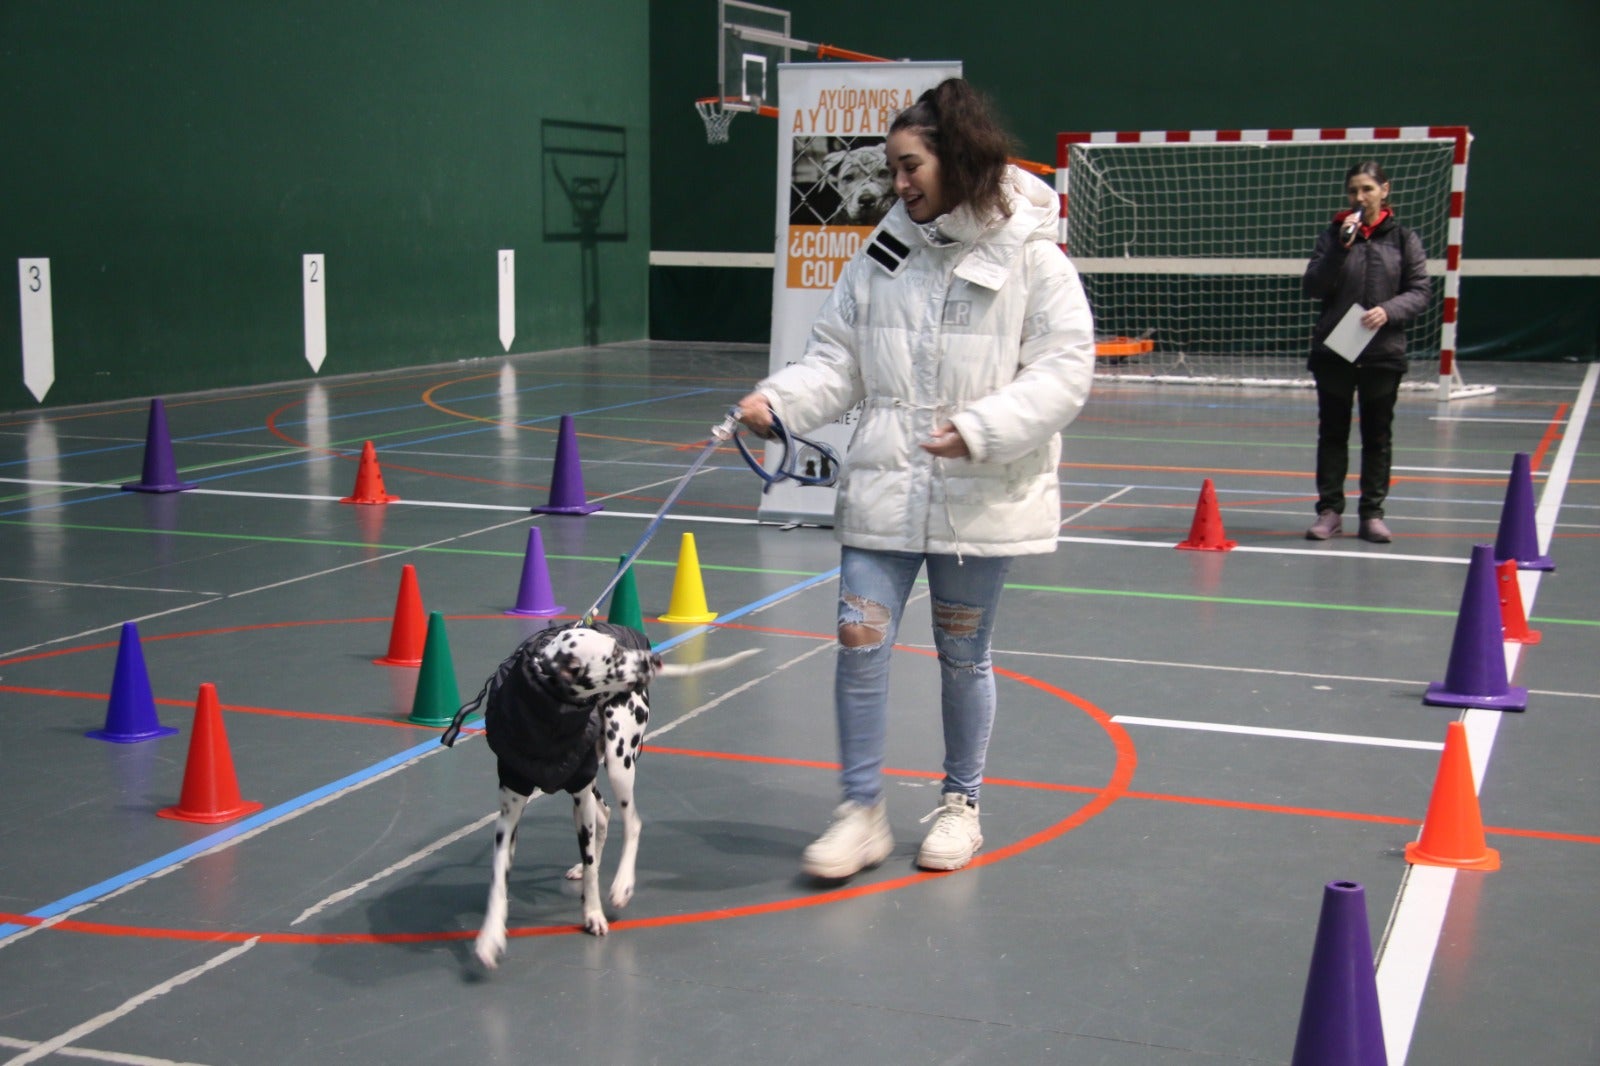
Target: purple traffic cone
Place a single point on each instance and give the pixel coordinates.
(1518, 537)
(1340, 1024)
(131, 714)
(566, 485)
(1476, 676)
(534, 596)
(160, 472)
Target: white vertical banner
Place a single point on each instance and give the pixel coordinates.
(314, 279)
(38, 327)
(508, 296)
(833, 190)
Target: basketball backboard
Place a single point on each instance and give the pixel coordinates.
(751, 42)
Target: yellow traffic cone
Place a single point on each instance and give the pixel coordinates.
(688, 591)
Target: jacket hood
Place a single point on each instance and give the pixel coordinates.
(995, 242)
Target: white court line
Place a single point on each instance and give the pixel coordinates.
(1497, 421)
(121, 1058)
(1286, 734)
(100, 1021)
(394, 868)
(1247, 549)
(472, 827)
(108, 588)
(1095, 506)
(1406, 950)
(259, 588)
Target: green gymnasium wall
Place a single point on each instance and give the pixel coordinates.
(174, 159)
(1525, 80)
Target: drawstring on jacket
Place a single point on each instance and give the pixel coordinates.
(938, 410)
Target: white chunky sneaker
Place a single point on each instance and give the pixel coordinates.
(955, 838)
(858, 838)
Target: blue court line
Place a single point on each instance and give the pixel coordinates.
(303, 460)
(301, 422)
(273, 814)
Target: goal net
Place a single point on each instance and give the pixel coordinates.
(1192, 245)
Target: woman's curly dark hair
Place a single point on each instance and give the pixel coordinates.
(959, 127)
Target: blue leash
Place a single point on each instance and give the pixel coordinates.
(726, 430)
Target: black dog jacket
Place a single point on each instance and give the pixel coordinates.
(541, 740)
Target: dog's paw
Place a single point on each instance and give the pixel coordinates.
(575, 872)
(595, 924)
(490, 948)
(621, 893)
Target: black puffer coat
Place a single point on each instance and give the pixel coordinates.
(541, 741)
(1389, 268)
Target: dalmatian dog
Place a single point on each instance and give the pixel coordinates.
(566, 700)
(866, 188)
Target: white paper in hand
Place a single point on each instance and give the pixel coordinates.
(1349, 338)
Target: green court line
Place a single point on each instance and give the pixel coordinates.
(1063, 590)
(370, 546)
(1234, 601)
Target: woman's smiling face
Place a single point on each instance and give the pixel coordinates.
(916, 175)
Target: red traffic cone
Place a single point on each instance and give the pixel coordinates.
(1452, 835)
(369, 480)
(1206, 532)
(210, 789)
(1513, 619)
(566, 484)
(410, 629)
(1476, 674)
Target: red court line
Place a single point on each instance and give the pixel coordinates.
(1552, 434)
(1116, 788)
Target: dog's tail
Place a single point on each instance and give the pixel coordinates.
(706, 667)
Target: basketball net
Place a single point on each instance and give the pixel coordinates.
(717, 119)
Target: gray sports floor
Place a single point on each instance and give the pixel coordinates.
(1191, 744)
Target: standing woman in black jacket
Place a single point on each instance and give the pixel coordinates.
(1363, 257)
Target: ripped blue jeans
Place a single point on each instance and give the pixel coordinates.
(873, 589)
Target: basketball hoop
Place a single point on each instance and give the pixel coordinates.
(716, 117)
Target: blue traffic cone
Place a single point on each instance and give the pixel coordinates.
(534, 596)
(160, 471)
(1476, 676)
(1340, 1024)
(566, 484)
(131, 714)
(1518, 537)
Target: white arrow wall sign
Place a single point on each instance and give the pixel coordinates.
(38, 327)
(315, 283)
(508, 297)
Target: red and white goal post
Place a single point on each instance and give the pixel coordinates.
(1192, 244)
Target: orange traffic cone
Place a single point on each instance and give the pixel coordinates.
(688, 590)
(1452, 835)
(369, 480)
(1513, 619)
(210, 789)
(409, 632)
(1206, 532)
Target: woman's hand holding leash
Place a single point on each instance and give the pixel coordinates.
(756, 413)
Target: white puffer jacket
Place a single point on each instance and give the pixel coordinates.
(986, 327)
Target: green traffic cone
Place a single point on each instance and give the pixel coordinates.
(438, 698)
(625, 609)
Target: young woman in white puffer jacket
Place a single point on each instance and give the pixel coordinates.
(964, 332)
